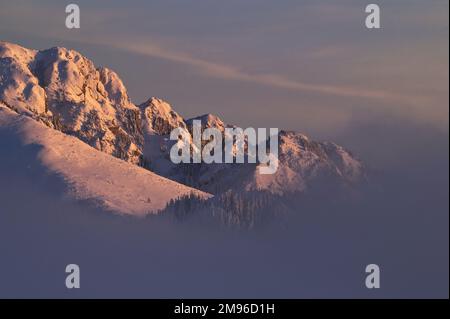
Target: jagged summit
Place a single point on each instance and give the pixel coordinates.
(64, 89)
(208, 120)
(159, 117)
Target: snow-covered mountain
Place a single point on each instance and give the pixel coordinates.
(65, 91)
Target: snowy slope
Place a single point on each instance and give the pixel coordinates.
(87, 173)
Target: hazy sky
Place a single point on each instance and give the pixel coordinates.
(310, 66)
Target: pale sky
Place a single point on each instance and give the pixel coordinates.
(309, 66)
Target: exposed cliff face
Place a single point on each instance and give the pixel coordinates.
(159, 118)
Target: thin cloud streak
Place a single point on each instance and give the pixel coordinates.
(231, 73)
(226, 72)
(413, 103)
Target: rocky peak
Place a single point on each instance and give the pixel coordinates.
(80, 100)
(159, 118)
(208, 121)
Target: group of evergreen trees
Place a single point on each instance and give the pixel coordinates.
(230, 209)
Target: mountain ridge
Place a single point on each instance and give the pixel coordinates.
(64, 90)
